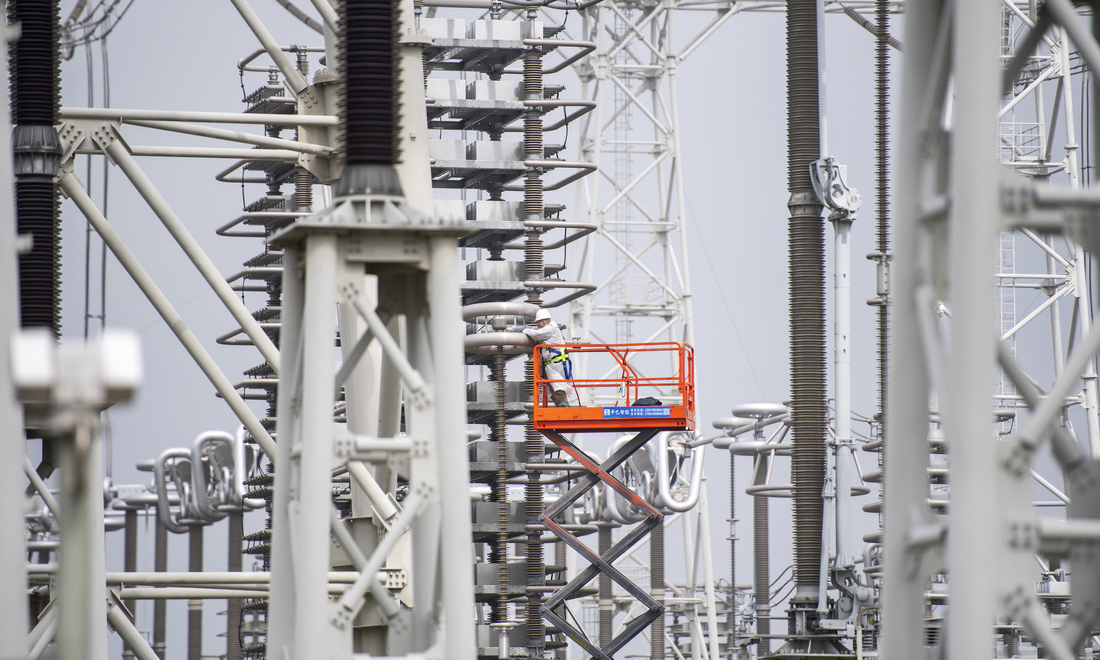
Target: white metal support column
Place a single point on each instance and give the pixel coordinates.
(905, 444)
(13, 573)
(303, 589)
(450, 411)
(973, 226)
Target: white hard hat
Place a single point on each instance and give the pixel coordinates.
(542, 314)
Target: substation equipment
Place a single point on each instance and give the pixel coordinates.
(418, 132)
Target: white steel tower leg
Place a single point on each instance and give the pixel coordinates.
(973, 227)
(280, 617)
(300, 598)
(905, 445)
(81, 578)
(447, 354)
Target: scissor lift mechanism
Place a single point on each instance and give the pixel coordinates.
(646, 421)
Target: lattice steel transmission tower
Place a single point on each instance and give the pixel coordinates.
(638, 199)
(638, 257)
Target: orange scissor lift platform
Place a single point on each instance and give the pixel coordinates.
(606, 403)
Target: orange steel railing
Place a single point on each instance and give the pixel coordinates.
(607, 404)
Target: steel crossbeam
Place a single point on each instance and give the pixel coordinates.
(601, 563)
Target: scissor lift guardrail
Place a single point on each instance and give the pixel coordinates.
(677, 392)
(646, 421)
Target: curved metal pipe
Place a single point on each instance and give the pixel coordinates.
(665, 499)
(514, 343)
(624, 516)
(161, 475)
(200, 462)
(582, 288)
(478, 310)
(583, 169)
(583, 229)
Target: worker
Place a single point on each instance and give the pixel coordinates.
(556, 365)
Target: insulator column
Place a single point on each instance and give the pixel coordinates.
(499, 554)
(534, 269)
(607, 601)
(533, 505)
(761, 570)
(657, 590)
(806, 251)
(882, 218)
(160, 607)
(731, 616)
(234, 564)
(303, 180)
(35, 104)
(533, 206)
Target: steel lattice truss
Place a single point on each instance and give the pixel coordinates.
(967, 176)
(638, 203)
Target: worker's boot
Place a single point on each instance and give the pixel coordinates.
(560, 398)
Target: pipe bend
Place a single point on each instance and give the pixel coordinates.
(477, 310)
(208, 510)
(664, 492)
(513, 343)
(163, 506)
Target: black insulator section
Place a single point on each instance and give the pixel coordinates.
(35, 104)
(533, 264)
(499, 554)
(534, 444)
(809, 411)
(806, 253)
(35, 62)
(532, 74)
(533, 192)
(370, 69)
(760, 554)
(36, 208)
(803, 107)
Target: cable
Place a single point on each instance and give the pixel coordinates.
(90, 27)
(301, 16)
(722, 294)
